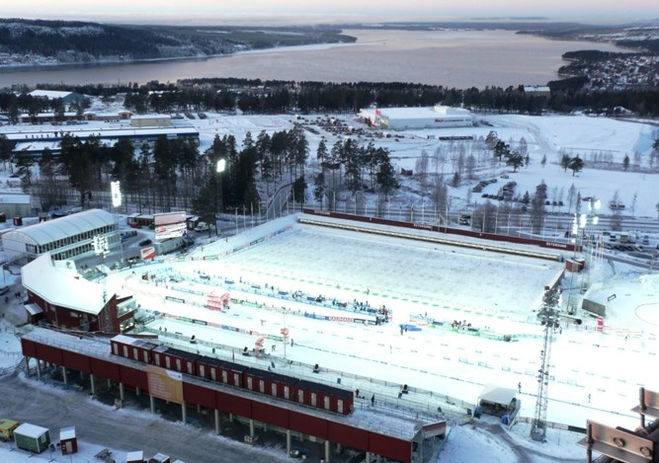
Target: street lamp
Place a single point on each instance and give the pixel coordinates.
(221, 167)
(115, 194)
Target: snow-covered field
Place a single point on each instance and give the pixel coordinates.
(414, 279)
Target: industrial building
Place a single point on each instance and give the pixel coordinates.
(50, 295)
(436, 117)
(64, 237)
(66, 97)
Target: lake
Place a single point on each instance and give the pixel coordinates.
(453, 58)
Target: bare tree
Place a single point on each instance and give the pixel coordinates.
(440, 197)
(421, 169)
(571, 193)
(470, 165)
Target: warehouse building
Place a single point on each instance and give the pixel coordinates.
(436, 117)
(66, 97)
(63, 238)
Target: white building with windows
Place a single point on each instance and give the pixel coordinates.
(64, 238)
(436, 117)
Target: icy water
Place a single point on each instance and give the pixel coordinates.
(451, 58)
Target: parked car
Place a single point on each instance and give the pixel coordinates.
(202, 227)
(145, 242)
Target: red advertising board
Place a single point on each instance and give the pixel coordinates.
(148, 253)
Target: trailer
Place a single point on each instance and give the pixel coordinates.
(32, 438)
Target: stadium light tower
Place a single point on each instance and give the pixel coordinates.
(549, 317)
(220, 167)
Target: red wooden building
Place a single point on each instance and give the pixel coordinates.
(398, 438)
(67, 300)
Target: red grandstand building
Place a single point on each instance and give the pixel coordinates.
(67, 300)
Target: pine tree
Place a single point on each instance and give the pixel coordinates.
(576, 164)
(319, 188)
(538, 211)
(515, 160)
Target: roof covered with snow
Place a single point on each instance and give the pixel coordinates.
(498, 395)
(67, 433)
(382, 421)
(536, 88)
(50, 94)
(7, 198)
(419, 112)
(33, 309)
(57, 287)
(30, 430)
(63, 227)
(151, 116)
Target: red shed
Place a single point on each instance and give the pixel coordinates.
(324, 397)
(180, 360)
(132, 348)
(68, 440)
(273, 384)
(221, 371)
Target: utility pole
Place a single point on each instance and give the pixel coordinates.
(549, 318)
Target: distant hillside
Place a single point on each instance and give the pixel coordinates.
(35, 42)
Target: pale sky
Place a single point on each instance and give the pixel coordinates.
(316, 11)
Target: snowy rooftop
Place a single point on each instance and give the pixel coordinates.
(45, 133)
(419, 112)
(50, 94)
(14, 199)
(151, 116)
(536, 88)
(63, 227)
(67, 433)
(371, 419)
(57, 287)
(30, 430)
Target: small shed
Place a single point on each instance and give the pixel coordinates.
(499, 401)
(32, 438)
(159, 458)
(7, 427)
(34, 313)
(136, 456)
(68, 440)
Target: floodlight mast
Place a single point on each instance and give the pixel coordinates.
(549, 317)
